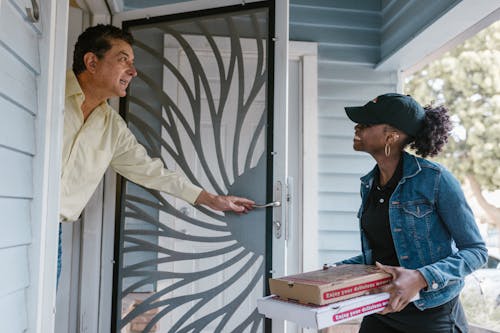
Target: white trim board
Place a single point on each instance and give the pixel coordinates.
(47, 165)
(308, 53)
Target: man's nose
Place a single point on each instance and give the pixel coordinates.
(132, 71)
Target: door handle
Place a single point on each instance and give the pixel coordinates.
(277, 212)
(271, 204)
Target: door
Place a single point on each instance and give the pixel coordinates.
(203, 103)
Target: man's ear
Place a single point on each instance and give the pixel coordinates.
(90, 61)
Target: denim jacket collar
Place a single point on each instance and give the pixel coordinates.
(411, 167)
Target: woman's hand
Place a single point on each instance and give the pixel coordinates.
(405, 284)
(225, 202)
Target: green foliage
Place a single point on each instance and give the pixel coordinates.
(467, 80)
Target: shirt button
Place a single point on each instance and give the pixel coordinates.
(381, 200)
(435, 285)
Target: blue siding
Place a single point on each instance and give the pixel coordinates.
(348, 33)
(353, 37)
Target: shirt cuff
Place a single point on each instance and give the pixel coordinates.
(191, 193)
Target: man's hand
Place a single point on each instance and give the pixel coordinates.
(224, 202)
(405, 284)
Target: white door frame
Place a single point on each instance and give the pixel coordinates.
(41, 295)
(306, 186)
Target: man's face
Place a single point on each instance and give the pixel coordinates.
(115, 70)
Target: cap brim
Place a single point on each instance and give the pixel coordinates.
(359, 115)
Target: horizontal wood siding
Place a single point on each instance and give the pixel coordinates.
(19, 70)
(17, 36)
(16, 216)
(348, 33)
(23, 138)
(13, 312)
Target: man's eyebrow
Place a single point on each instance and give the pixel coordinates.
(124, 53)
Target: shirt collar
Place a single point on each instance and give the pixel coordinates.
(396, 177)
(73, 88)
(72, 85)
(411, 167)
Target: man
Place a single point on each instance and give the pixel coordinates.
(95, 136)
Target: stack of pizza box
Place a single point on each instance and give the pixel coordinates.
(326, 297)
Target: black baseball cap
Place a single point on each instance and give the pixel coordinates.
(399, 111)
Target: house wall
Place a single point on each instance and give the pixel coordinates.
(19, 70)
(31, 95)
(349, 34)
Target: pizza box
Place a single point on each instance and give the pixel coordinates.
(318, 317)
(329, 285)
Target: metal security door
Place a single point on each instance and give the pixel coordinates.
(201, 104)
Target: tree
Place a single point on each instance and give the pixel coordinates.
(467, 80)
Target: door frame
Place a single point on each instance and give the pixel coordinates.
(41, 294)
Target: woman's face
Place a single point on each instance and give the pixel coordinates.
(370, 138)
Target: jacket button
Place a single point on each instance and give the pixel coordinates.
(435, 285)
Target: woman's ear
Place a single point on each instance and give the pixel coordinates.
(392, 138)
(90, 61)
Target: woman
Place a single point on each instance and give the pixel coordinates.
(415, 221)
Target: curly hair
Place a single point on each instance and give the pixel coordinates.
(97, 39)
(434, 134)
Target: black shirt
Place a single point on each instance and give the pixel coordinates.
(375, 218)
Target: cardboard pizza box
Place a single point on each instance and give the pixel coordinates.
(329, 285)
(318, 317)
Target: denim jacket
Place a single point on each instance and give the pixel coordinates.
(433, 229)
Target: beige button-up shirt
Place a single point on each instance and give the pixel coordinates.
(104, 140)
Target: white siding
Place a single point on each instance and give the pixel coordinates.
(27, 121)
(18, 107)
